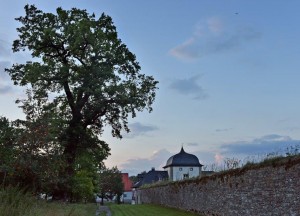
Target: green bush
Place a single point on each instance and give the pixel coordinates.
(82, 187)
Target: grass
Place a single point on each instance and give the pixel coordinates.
(146, 210)
(61, 209)
(16, 202)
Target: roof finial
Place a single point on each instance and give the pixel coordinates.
(182, 150)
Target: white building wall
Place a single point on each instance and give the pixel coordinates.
(127, 196)
(170, 172)
(179, 173)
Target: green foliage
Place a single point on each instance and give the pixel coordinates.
(82, 186)
(83, 57)
(134, 179)
(8, 151)
(81, 78)
(16, 202)
(110, 182)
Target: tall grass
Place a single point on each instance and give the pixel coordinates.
(263, 158)
(15, 202)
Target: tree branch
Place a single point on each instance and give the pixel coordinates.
(69, 96)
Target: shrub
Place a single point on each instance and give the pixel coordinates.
(82, 187)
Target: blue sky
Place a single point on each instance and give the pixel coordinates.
(228, 72)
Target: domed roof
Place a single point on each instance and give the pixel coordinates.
(183, 159)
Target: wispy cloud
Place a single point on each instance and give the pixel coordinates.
(5, 89)
(6, 85)
(266, 144)
(6, 51)
(188, 50)
(223, 129)
(138, 129)
(6, 59)
(219, 158)
(5, 81)
(192, 144)
(292, 128)
(211, 36)
(157, 160)
(189, 87)
(3, 74)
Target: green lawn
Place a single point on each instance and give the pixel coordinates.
(146, 210)
(60, 209)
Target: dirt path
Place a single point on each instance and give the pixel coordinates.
(103, 209)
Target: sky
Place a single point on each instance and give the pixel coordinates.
(228, 75)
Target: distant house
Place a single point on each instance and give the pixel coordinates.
(147, 178)
(127, 194)
(178, 167)
(183, 165)
(150, 177)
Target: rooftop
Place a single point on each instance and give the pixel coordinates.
(183, 159)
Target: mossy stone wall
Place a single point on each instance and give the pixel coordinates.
(267, 190)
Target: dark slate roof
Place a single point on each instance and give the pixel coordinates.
(151, 177)
(183, 159)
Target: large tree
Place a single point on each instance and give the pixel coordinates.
(84, 72)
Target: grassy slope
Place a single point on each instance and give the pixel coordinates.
(146, 210)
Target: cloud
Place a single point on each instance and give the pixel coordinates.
(290, 129)
(189, 87)
(157, 160)
(5, 49)
(192, 144)
(215, 25)
(6, 85)
(211, 37)
(138, 129)
(223, 130)
(5, 89)
(187, 50)
(5, 82)
(205, 157)
(266, 144)
(219, 158)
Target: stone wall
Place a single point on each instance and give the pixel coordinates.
(260, 190)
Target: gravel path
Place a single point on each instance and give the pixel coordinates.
(103, 209)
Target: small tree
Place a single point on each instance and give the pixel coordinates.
(110, 183)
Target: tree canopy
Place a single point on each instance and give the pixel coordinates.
(110, 183)
(81, 78)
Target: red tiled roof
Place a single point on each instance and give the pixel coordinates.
(127, 182)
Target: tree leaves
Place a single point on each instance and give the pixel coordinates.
(80, 73)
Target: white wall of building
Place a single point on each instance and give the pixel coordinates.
(180, 173)
(127, 196)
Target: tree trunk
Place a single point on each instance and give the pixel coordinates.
(102, 197)
(72, 140)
